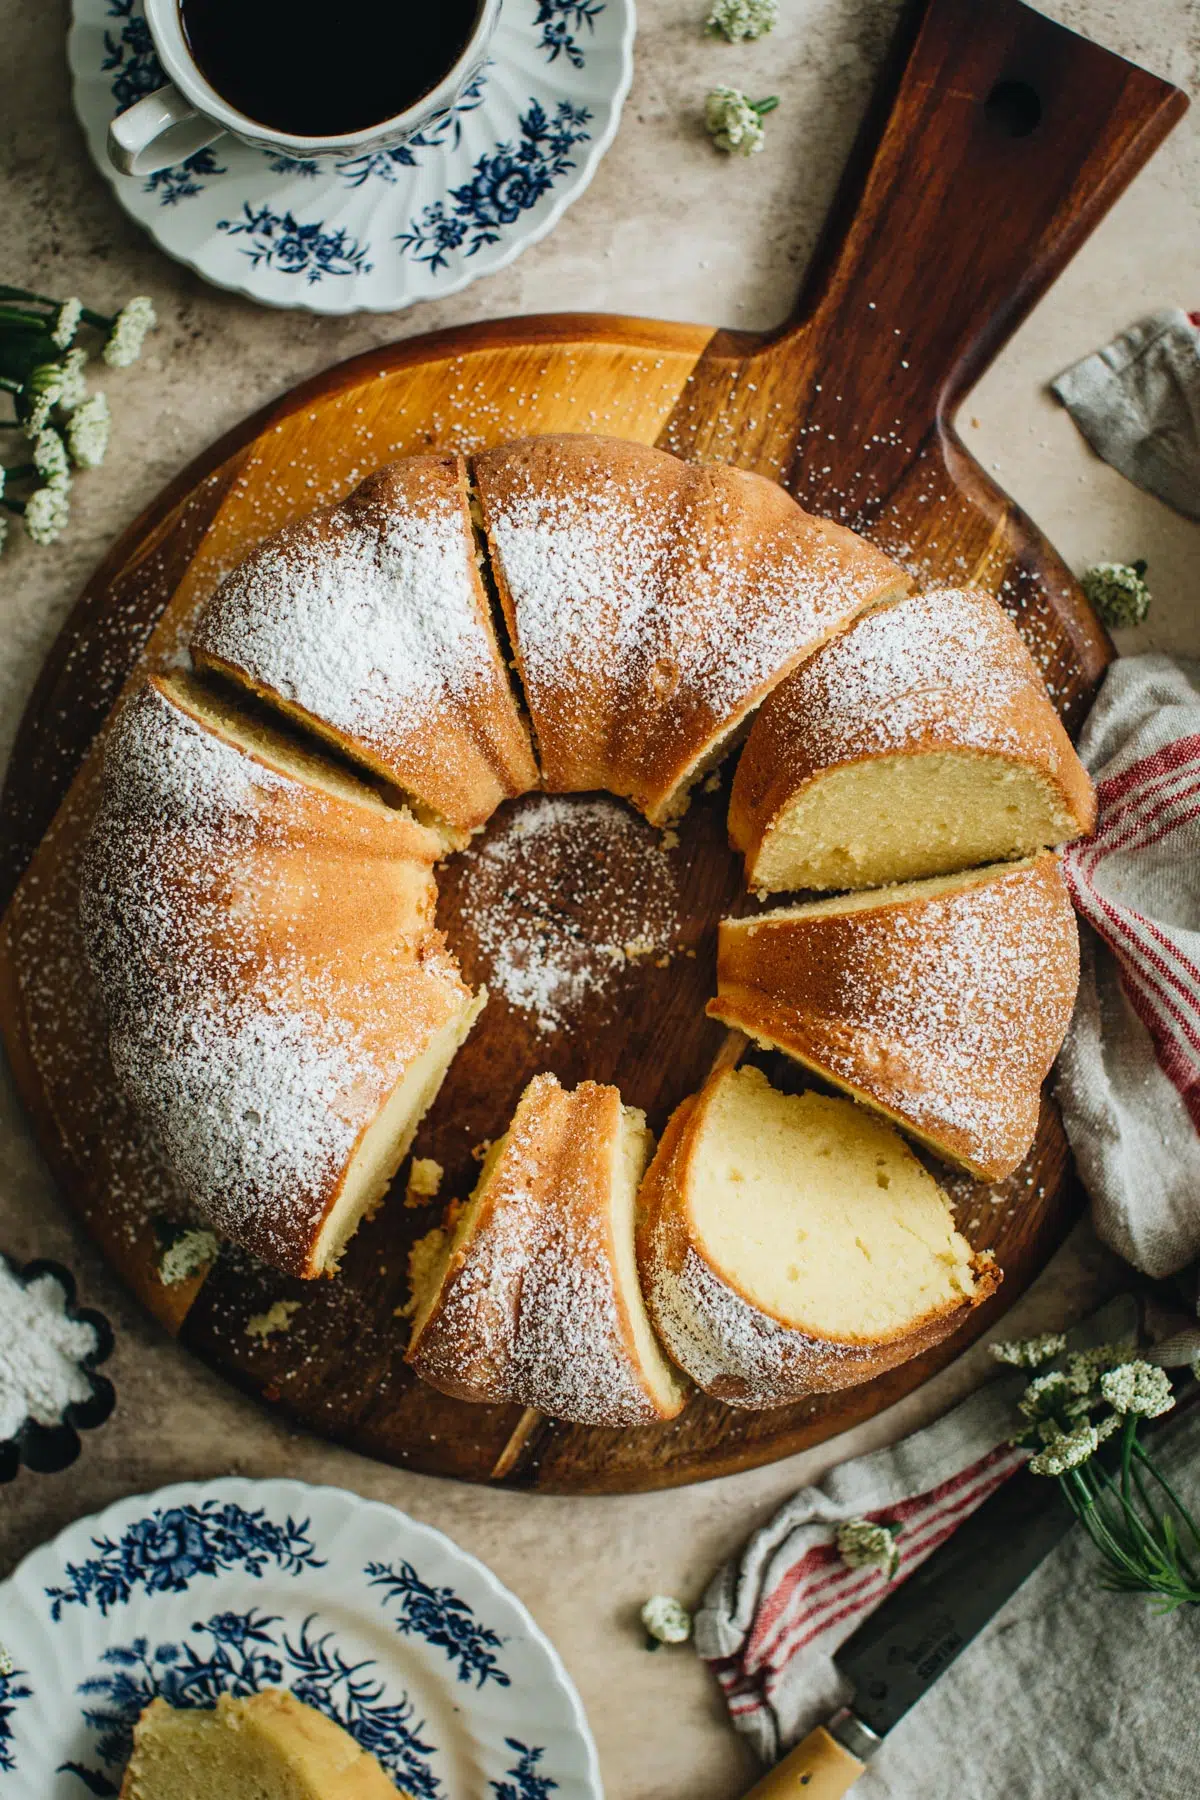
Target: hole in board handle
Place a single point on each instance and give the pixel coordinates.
(1014, 107)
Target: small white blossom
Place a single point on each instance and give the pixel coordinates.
(1045, 1393)
(87, 432)
(1030, 1353)
(863, 1545)
(1118, 592)
(43, 391)
(666, 1621)
(74, 385)
(128, 333)
(7, 1665)
(1066, 1451)
(50, 458)
(46, 513)
(735, 123)
(1138, 1387)
(66, 324)
(738, 19)
(1106, 1426)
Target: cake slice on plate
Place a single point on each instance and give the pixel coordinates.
(653, 603)
(266, 1746)
(533, 1297)
(941, 1003)
(919, 743)
(281, 1012)
(368, 623)
(793, 1244)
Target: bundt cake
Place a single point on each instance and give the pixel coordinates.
(793, 1244)
(653, 603)
(280, 1011)
(264, 1746)
(533, 1297)
(368, 622)
(940, 1003)
(920, 742)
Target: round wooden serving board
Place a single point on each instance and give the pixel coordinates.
(997, 141)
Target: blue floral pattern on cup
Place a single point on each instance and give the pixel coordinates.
(563, 23)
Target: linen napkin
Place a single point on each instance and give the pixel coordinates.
(1137, 402)
(1128, 1077)
(1069, 1693)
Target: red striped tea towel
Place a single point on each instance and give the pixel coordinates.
(1129, 1074)
(773, 1617)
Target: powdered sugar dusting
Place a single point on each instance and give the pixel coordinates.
(948, 665)
(647, 581)
(365, 615)
(531, 1315)
(562, 900)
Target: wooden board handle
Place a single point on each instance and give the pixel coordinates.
(996, 143)
(819, 1768)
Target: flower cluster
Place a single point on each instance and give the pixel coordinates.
(738, 19)
(64, 427)
(865, 1545)
(1118, 592)
(667, 1621)
(1148, 1539)
(734, 123)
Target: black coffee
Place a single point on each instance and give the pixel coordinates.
(321, 71)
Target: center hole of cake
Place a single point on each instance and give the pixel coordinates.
(562, 901)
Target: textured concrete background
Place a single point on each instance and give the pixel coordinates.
(666, 228)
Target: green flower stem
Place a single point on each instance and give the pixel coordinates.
(101, 321)
(1183, 1512)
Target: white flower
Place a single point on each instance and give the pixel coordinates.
(191, 1252)
(735, 123)
(67, 323)
(46, 513)
(128, 333)
(666, 1621)
(1118, 592)
(1066, 1451)
(863, 1545)
(738, 19)
(1139, 1388)
(1030, 1353)
(7, 1665)
(87, 432)
(1045, 1393)
(74, 386)
(43, 391)
(50, 458)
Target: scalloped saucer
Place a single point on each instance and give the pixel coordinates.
(230, 1586)
(375, 233)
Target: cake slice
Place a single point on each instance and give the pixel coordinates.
(281, 1012)
(793, 1244)
(368, 623)
(940, 1003)
(533, 1298)
(267, 1746)
(919, 743)
(653, 603)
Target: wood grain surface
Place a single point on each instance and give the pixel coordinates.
(996, 142)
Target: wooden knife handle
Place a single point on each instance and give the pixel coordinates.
(819, 1768)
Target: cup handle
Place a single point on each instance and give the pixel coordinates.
(158, 130)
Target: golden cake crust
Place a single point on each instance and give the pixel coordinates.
(265, 951)
(731, 1347)
(368, 622)
(653, 603)
(531, 1309)
(943, 1008)
(939, 671)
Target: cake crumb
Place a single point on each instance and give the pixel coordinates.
(277, 1318)
(480, 1150)
(424, 1180)
(670, 839)
(187, 1256)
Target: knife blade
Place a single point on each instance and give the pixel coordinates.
(914, 1635)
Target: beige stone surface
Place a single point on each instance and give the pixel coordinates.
(667, 229)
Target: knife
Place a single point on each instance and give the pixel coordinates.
(901, 1649)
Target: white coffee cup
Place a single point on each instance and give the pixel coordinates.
(175, 121)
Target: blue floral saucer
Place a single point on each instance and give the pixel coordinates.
(230, 1586)
(376, 232)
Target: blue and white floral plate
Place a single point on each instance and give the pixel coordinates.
(218, 1587)
(374, 233)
